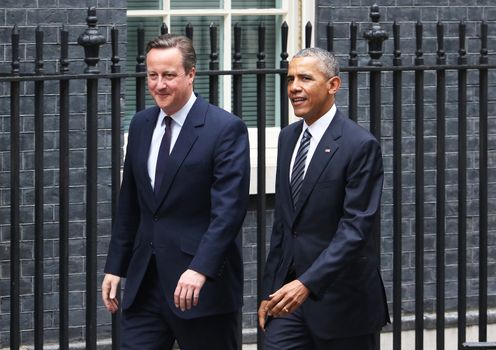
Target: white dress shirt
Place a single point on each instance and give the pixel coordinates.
(317, 130)
(178, 119)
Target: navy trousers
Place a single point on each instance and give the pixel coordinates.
(150, 324)
(291, 333)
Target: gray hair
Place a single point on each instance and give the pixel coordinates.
(327, 61)
(182, 43)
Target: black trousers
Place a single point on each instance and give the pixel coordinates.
(290, 333)
(150, 323)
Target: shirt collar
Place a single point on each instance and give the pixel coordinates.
(180, 116)
(318, 128)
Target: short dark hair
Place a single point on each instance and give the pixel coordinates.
(328, 62)
(182, 43)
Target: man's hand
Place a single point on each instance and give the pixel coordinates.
(287, 299)
(188, 289)
(109, 292)
(263, 313)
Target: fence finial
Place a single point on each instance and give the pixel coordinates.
(375, 36)
(91, 40)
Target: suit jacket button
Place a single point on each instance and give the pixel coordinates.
(295, 234)
(155, 218)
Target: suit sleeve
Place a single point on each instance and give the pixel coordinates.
(364, 181)
(126, 220)
(276, 250)
(229, 197)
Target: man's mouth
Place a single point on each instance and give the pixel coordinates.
(297, 100)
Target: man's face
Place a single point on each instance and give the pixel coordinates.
(168, 83)
(310, 91)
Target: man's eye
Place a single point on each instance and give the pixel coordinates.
(152, 76)
(170, 76)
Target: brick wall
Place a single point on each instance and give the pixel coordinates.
(50, 15)
(429, 12)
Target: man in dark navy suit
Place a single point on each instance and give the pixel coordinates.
(322, 286)
(182, 202)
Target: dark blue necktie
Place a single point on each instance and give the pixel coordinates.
(163, 154)
(298, 172)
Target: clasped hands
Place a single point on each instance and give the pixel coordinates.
(283, 302)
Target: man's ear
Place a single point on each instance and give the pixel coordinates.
(334, 83)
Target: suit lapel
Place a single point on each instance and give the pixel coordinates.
(287, 148)
(183, 145)
(146, 136)
(323, 154)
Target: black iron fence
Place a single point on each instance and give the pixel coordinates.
(377, 76)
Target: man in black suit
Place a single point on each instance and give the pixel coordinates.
(183, 198)
(322, 284)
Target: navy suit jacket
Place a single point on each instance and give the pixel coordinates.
(194, 221)
(329, 234)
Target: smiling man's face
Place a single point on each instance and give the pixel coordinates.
(310, 91)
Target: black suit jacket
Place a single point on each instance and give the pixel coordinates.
(329, 234)
(194, 221)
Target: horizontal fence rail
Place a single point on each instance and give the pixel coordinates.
(407, 84)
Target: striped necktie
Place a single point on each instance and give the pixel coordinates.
(299, 166)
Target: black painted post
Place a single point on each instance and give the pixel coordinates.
(462, 188)
(39, 90)
(91, 40)
(375, 37)
(284, 76)
(483, 184)
(64, 194)
(140, 67)
(440, 189)
(261, 195)
(164, 29)
(116, 161)
(308, 34)
(419, 191)
(353, 75)
(189, 31)
(397, 190)
(15, 232)
(213, 65)
(237, 78)
(330, 37)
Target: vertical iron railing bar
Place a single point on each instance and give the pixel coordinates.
(419, 192)
(375, 37)
(261, 179)
(353, 75)
(330, 37)
(397, 190)
(237, 110)
(188, 31)
(284, 76)
(237, 78)
(116, 161)
(440, 188)
(164, 29)
(91, 40)
(308, 34)
(140, 67)
(64, 193)
(15, 234)
(39, 87)
(213, 80)
(483, 184)
(462, 189)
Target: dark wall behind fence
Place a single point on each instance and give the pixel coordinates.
(51, 15)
